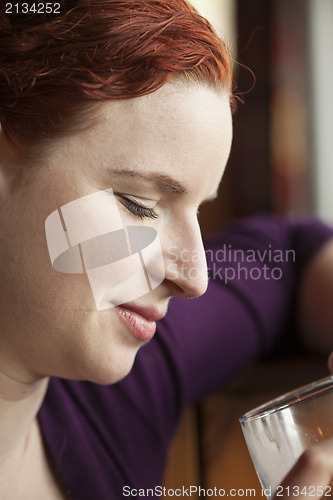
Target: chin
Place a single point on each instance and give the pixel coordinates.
(97, 350)
(104, 368)
(109, 376)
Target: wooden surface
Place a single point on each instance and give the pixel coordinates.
(183, 468)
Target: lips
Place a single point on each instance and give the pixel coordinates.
(140, 321)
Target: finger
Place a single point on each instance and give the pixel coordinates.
(310, 475)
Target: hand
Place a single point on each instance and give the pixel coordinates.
(312, 472)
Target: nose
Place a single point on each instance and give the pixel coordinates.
(185, 261)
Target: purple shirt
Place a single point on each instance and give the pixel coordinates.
(102, 439)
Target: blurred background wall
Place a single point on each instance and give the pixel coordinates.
(320, 15)
(282, 155)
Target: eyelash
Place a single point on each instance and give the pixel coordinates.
(136, 209)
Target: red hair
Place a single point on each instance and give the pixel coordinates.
(99, 50)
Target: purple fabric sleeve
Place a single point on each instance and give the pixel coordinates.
(102, 439)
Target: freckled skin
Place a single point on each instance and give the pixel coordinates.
(180, 131)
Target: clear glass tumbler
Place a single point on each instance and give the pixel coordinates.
(277, 432)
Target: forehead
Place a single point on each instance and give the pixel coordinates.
(176, 125)
(182, 131)
(174, 107)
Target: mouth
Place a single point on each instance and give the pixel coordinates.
(140, 321)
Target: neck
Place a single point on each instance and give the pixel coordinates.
(19, 405)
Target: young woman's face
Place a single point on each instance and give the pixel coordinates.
(162, 155)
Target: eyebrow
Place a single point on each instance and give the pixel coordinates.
(163, 181)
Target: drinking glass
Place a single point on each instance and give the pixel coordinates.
(277, 432)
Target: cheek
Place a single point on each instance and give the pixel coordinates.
(39, 300)
(33, 295)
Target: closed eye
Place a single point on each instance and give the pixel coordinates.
(135, 208)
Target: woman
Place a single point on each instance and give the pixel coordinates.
(119, 108)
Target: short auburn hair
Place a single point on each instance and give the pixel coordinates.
(99, 50)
